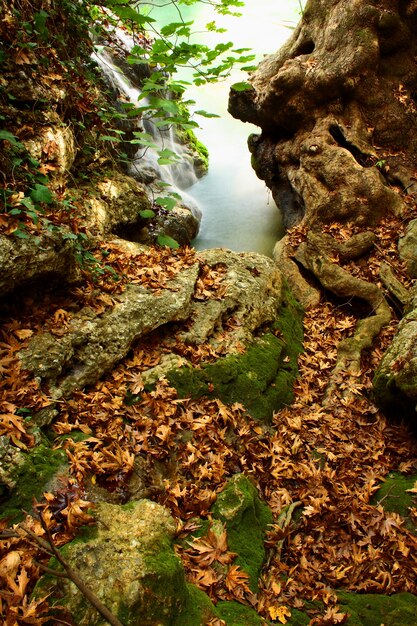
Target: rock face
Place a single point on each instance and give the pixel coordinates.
(318, 102)
(23, 261)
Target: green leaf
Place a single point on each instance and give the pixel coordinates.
(41, 194)
(109, 138)
(8, 136)
(167, 203)
(243, 86)
(21, 233)
(206, 113)
(165, 240)
(147, 213)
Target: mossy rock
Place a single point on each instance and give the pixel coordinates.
(394, 495)
(399, 609)
(129, 562)
(261, 378)
(30, 477)
(198, 609)
(246, 518)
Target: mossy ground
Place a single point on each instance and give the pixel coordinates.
(399, 609)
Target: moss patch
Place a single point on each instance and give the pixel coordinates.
(246, 518)
(198, 610)
(261, 379)
(235, 614)
(395, 497)
(32, 476)
(399, 609)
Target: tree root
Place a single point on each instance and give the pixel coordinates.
(314, 256)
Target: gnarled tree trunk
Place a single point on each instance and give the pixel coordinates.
(337, 109)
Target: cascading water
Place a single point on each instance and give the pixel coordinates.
(144, 165)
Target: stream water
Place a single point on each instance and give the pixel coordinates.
(238, 212)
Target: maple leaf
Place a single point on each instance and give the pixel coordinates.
(236, 581)
(212, 547)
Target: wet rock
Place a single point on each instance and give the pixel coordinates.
(113, 202)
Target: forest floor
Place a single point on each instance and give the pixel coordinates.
(326, 454)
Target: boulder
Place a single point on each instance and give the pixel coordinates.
(26, 474)
(129, 563)
(407, 248)
(26, 260)
(246, 519)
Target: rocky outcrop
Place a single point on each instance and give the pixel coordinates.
(395, 381)
(407, 248)
(27, 260)
(94, 343)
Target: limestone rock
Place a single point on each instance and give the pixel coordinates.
(54, 145)
(26, 260)
(395, 381)
(260, 366)
(113, 202)
(95, 343)
(129, 563)
(252, 289)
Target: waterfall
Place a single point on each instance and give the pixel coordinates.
(144, 165)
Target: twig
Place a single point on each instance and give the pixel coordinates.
(49, 546)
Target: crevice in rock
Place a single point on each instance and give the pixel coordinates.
(305, 47)
(339, 137)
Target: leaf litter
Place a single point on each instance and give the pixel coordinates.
(329, 457)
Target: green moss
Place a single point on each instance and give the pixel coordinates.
(395, 497)
(235, 614)
(32, 476)
(262, 378)
(246, 518)
(198, 609)
(399, 609)
(187, 137)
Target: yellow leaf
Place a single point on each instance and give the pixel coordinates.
(279, 613)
